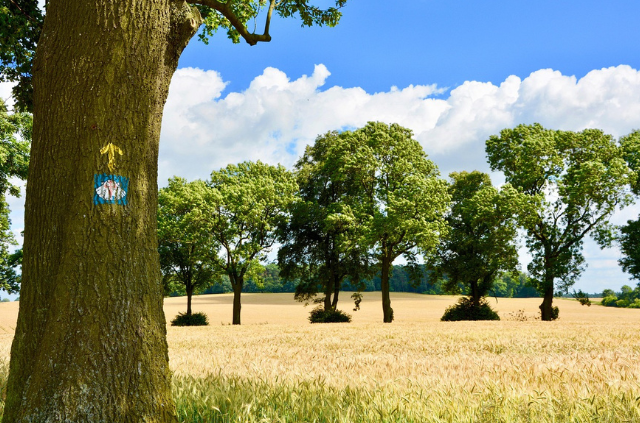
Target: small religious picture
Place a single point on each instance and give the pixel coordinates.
(110, 189)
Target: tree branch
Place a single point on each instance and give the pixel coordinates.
(25, 13)
(225, 9)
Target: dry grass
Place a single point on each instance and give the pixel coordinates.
(586, 346)
(586, 364)
(583, 367)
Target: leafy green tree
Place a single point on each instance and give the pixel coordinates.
(247, 203)
(629, 238)
(319, 242)
(15, 136)
(186, 248)
(481, 239)
(9, 276)
(20, 27)
(629, 241)
(572, 182)
(626, 293)
(91, 293)
(630, 145)
(400, 202)
(520, 285)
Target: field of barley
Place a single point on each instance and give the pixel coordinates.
(277, 367)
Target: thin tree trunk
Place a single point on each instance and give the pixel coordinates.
(475, 294)
(334, 302)
(189, 295)
(327, 297)
(90, 342)
(237, 283)
(384, 287)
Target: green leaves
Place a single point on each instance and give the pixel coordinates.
(321, 240)
(15, 138)
(20, 25)
(240, 17)
(630, 145)
(246, 203)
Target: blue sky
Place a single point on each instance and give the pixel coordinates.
(455, 72)
(445, 42)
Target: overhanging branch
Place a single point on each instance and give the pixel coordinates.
(224, 8)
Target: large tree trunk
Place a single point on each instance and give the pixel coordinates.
(384, 287)
(237, 283)
(90, 342)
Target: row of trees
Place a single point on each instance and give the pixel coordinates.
(506, 285)
(354, 203)
(357, 200)
(626, 298)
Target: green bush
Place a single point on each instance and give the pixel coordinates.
(635, 303)
(622, 303)
(195, 319)
(465, 310)
(319, 315)
(555, 312)
(582, 298)
(609, 301)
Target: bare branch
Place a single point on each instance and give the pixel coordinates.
(269, 13)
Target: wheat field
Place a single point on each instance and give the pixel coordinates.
(278, 367)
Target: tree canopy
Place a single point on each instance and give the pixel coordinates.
(572, 182)
(20, 26)
(480, 241)
(320, 240)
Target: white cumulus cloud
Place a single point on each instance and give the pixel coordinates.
(205, 128)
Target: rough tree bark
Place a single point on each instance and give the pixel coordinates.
(90, 343)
